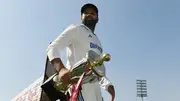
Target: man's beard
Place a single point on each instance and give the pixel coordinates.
(90, 23)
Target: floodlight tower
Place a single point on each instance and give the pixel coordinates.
(141, 88)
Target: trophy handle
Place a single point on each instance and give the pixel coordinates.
(105, 58)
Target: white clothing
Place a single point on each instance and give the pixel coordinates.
(79, 39)
(91, 92)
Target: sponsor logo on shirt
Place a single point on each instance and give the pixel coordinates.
(93, 45)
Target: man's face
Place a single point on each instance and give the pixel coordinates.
(89, 16)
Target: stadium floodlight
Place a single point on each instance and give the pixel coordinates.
(141, 88)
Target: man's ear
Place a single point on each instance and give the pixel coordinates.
(81, 16)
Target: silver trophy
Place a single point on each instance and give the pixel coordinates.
(92, 64)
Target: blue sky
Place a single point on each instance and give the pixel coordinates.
(142, 36)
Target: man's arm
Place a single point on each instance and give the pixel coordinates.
(62, 70)
(111, 91)
(57, 63)
(108, 86)
(53, 51)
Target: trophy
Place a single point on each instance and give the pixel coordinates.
(91, 64)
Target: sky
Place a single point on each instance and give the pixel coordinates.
(142, 37)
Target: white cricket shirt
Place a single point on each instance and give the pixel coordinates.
(78, 39)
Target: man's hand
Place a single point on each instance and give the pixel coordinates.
(112, 92)
(64, 76)
(64, 73)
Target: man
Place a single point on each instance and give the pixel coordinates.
(79, 39)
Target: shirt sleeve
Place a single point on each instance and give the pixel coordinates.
(105, 83)
(63, 40)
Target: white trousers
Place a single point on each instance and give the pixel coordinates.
(91, 92)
